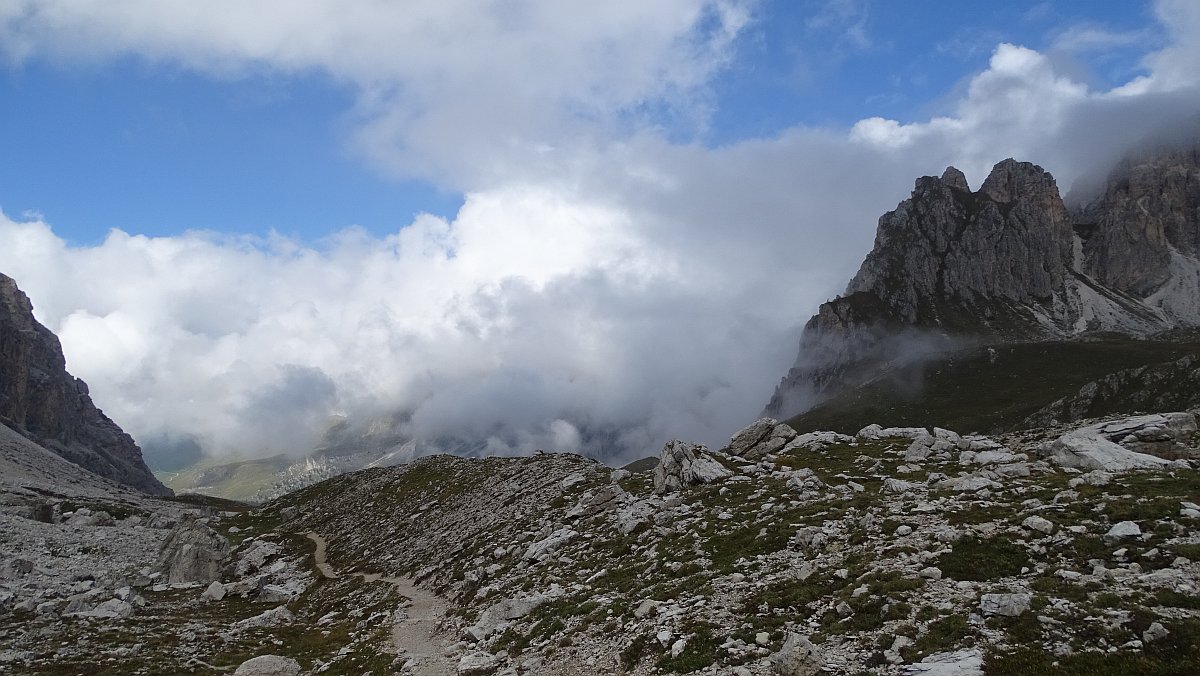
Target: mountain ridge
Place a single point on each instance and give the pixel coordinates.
(41, 401)
(1009, 263)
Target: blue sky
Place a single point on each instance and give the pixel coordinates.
(586, 226)
(156, 148)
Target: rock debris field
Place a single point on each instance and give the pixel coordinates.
(1070, 549)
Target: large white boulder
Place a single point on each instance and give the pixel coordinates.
(193, 552)
(510, 609)
(556, 539)
(797, 657)
(684, 464)
(750, 435)
(1008, 605)
(268, 665)
(967, 662)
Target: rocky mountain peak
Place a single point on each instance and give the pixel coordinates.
(49, 406)
(954, 178)
(945, 251)
(1009, 262)
(1010, 180)
(1147, 218)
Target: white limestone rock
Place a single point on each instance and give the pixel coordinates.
(815, 441)
(1039, 524)
(1088, 448)
(555, 540)
(684, 464)
(478, 664)
(270, 618)
(1008, 605)
(572, 480)
(214, 592)
(958, 663)
(193, 552)
(1124, 529)
(897, 486)
(797, 657)
(749, 436)
(268, 665)
(510, 609)
(1155, 632)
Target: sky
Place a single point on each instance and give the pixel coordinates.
(520, 224)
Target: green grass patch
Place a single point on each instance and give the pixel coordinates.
(980, 559)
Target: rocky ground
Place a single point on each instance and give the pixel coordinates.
(895, 551)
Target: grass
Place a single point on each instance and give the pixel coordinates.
(1176, 655)
(702, 650)
(942, 635)
(967, 391)
(980, 559)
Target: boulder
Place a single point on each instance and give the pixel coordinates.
(274, 593)
(572, 480)
(478, 664)
(1155, 632)
(1007, 605)
(778, 438)
(111, 609)
(897, 486)
(255, 556)
(875, 432)
(602, 499)
(1124, 529)
(14, 568)
(215, 592)
(1039, 524)
(797, 657)
(268, 618)
(1088, 448)
(749, 436)
(549, 544)
(509, 609)
(192, 552)
(967, 662)
(268, 665)
(684, 464)
(815, 441)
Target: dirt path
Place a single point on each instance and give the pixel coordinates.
(415, 627)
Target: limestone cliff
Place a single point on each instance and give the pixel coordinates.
(1010, 263)
(40, 400)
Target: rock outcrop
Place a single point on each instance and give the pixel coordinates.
(1009, 263)
(268, 665)
(684, 464)
(193, 552)
(40, 400)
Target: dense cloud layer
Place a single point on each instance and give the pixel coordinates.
(606, 291)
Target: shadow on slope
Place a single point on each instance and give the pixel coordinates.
(997, 388)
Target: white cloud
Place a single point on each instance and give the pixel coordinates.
(620, 290)
(455, 90)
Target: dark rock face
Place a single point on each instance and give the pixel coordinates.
(1007, 263)
(39, 399)
(946, 254)
(1150, 208)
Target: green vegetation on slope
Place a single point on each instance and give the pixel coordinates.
(987, 389)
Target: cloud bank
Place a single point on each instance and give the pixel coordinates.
(603, 287)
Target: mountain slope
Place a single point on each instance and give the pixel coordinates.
(49, 406)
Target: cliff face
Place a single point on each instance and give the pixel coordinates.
(39, 399)
(1010, 263)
